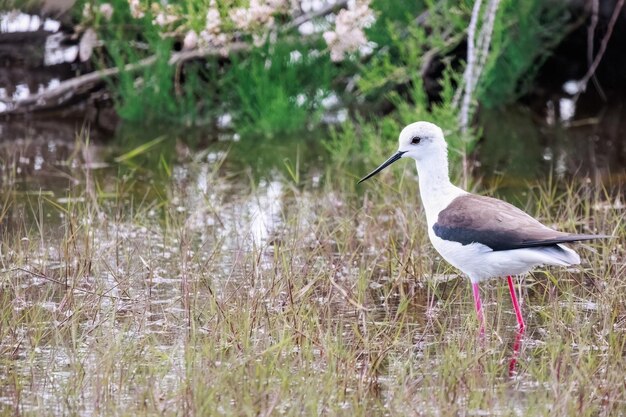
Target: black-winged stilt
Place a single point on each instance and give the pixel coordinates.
(482, 236)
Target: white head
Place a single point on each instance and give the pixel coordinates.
(422, 141)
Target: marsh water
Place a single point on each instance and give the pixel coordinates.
(120, 243)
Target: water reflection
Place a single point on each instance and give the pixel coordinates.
(55, 52)
(40, 66)
(15, 21)
(517, 347)
(572, 141)
(265, 211)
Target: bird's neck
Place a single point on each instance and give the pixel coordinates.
(436, 190)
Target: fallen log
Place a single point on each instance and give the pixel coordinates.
(67, 89)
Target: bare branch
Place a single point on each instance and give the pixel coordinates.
(329, 8)
(605, 41)
(468, 76)
(485, 38)
(477, 53)
(591, 32)
(66, 89)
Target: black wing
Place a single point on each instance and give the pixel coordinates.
(496, 224)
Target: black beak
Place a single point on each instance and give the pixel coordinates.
(384, 165)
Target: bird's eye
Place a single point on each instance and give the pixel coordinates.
(416, 140)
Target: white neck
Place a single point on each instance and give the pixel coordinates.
(436, 190)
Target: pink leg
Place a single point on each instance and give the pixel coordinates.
(516, 349)
(518, 312)
(479, 307)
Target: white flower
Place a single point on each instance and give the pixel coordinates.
(258, 14)
(330, 37)
(348, 35)
(278, 4)
(163, 19)
(136, 10)
(212, 39)
(106, 10)
(212, 34)
(221, 39)
(240, 17)
(86, 44)
(258, 39)
(190, 41)
(87, 11)
(261, 13)
(213, 20)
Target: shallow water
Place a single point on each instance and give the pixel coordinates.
(106, 261)
(126, 277)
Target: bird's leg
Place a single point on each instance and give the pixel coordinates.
(517, 345)
(518, 312)
(479, 307)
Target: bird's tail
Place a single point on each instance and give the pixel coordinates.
(561, 255)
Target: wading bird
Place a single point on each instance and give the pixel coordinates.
(482, 236)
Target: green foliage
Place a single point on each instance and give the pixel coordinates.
(523, 37)
(398, 14)
(277, 89)
(409, 46)
(155, 93)
(269, 90)
(394, 75)
(362, 140)
(368, 140)
(149, 97)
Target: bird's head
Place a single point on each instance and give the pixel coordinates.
(420, 141)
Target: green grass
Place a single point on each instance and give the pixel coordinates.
(126, 296)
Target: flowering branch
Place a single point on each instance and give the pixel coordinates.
(348, 35)
(211, 42)
(307, 17)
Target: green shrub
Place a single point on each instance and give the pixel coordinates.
(523, 38)
(271, 91)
